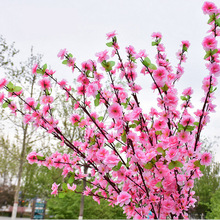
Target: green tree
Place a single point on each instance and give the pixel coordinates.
(214, 212)
(68, 208)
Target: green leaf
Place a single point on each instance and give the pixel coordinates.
(128, 160)
(61, 195)
(214, 51)
(123, 137)
(38, 106)
(100, 118)
(158, 132)
(44, 67)
(185, 48)
(136, 122)
(165, 88)
(211, 18)
(132, 126)
(39, 71)
(159, 184)
(109, 44)
(152, 66)
(184, 98)
(178, 164)
(17, 89)
(92, 140)
(118, 166)
(180, 127)
(64, 186)
(160, 150)
(10, 86)
(97, 99)
(146, 62)
(218, 22)
(71, 179)
(5, 105)
(190, 128)
(108, 65)
(197, 163)
(202, 167)
(65, 62)
(70, 55)
(154, 43)
(212, 89)
(148, 165)
(171, 165)
(41, 157)
(208, 54)
(196, 123)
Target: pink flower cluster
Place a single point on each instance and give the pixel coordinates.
(144, 162)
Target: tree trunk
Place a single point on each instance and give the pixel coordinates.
(82, 197)
(15, 205)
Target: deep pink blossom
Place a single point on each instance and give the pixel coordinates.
(3, 82)
(209, 8)
(45, 84)
(2, 95)
(34, 69)
(209, 43)
(206, 158)
(115, 111)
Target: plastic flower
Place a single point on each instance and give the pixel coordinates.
(206, 159)
(115, 111)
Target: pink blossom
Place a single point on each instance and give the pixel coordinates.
(214, 69)
(186, 43)
(188, 91)
(172, 154)
(156, 35)
(102, 153)
(73, 187)
(3, 83)
(209, 8)
(32, 157)
(45, 84)
(115, 111)
(111, 160)
(92, 90)
(63, 83)
(209, 43)
(139, 156)
(34, 69)
(111, 35)
(30, 104)
(130, 49)
(159, 124)
(27, 118)
(2, 95)
(102, 56)
(160, 76)
(54, 189)
(62, 53)
(123, 198)
(87, 66)
(206, 159)
(75, 118)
